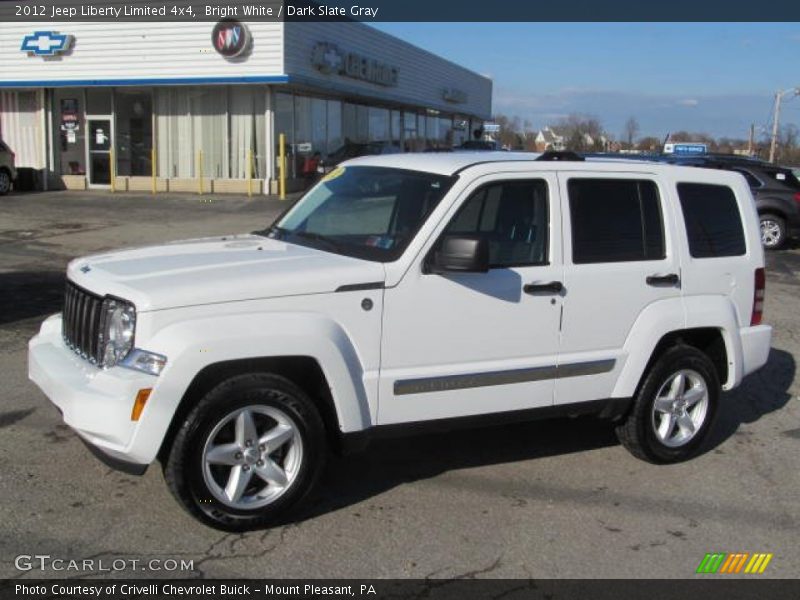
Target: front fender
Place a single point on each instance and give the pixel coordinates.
(192, 345)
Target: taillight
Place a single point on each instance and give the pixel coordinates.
(797, 197)
(758, 297)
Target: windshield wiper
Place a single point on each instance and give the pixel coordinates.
(317, 237)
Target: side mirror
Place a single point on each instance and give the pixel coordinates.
(461, 254)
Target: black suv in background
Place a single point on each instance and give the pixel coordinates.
(775, 189)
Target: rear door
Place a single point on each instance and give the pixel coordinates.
(618, 260)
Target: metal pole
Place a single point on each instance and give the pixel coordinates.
(775, 123)
(111, 170)
(282, 165)
(200, 171)
(153, 171)
(250, 172)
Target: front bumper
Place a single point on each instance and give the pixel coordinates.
(96, 403)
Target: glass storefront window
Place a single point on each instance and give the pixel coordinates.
(284, 123)
(98, 101)
(334, 126)
(247, 131)
(192, 123)
(134, 131)
(396, 134)
(378, 124)
(69, 131)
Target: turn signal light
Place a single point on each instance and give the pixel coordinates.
(138, 405)
(758, 297)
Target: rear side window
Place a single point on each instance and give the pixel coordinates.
(615, 220)
(752, 180)
(713, 222)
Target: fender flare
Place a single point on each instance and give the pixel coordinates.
(192, 345)
(672, 315)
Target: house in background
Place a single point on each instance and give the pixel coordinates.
(547, 139)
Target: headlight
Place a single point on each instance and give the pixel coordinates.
(119, 324)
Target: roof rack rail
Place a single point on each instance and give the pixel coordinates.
(560, 155)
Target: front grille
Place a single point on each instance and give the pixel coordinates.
(81, 321)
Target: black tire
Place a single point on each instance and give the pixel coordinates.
(638, 431)
(777, 227)
(5, 182)
(185, 470)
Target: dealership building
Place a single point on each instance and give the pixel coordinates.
(201, 105)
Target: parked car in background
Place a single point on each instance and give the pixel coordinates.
(776, 191)
(486, 145)
(8, 172)
(354, 150)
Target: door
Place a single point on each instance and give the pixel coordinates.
(618, 261)
(462, 344)
(100, 152)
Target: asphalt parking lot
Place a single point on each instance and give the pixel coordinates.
(547, 499)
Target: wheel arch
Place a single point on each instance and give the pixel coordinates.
(304, 371)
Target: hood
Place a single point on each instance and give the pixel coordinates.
(218, 269)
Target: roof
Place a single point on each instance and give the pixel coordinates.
(449, 163)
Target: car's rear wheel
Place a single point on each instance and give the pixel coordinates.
(5, 182)
(250, 452)
(674, 409)
(773, 231)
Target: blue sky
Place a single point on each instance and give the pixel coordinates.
(707, 77)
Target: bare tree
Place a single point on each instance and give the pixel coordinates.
(631, 131)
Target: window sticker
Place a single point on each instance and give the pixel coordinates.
(337, 172)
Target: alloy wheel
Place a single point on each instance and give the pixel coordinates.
(680, 408)
(252, 457)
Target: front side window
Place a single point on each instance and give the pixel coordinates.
(512, 216)
(615, 220)
(364, 212)
(713, 223)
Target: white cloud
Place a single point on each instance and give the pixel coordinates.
(688, 102)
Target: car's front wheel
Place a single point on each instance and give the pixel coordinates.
(249, 452)
(5, 182)
(674, 408)
(773, 231)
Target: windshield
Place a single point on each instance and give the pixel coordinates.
(365, 212)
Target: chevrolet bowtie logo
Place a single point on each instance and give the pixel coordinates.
(85, 269)
(46, 43)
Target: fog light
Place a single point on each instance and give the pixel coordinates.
(138, 405)
(142, 360)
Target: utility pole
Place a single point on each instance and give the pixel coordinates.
(751, 139)
(776, 120)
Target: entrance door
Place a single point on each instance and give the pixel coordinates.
(458, 344)
(99, 152)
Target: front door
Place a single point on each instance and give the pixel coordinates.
(99, 152)
(461, 344)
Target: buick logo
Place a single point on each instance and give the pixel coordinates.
(231, 38)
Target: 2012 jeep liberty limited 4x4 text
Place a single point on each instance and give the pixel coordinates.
(405, 289)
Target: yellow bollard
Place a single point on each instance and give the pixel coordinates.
(282, 165)
(200, 171)
(153, 171)
(111, 170)
(250, 172)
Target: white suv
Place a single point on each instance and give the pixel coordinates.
(413, 288)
